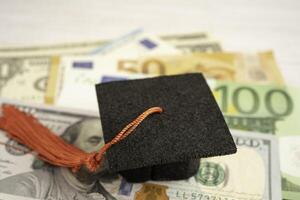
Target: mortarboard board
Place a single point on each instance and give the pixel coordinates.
(166, 146)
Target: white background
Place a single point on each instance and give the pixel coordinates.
(241, 25)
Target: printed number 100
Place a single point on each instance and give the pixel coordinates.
(268, 99)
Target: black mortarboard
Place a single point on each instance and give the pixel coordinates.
(164, 146)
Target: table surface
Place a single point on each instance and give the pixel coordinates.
(240, 25)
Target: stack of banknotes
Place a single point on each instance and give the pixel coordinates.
(56, 84)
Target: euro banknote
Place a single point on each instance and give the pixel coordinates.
(225, 177)
(256, 68)
(73, 71)
(84, 84)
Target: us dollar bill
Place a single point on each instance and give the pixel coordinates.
(193, 42)
(24, 78)
(22, 174)
(225, 177)
(4, 196)
(230, 177)
(256, 68)
(290, 166)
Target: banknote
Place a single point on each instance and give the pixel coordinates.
(193, 42)
(85, 86)
(13, 197)
(22, 174)
(51, 49)
(226, 177)
(255, 107)
(24, 78)
(255, 68)
(188, 40)
(290, 166)
(80, 71)
(185, 42)
(203, 46)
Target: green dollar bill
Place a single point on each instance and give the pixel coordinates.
(230, 177)
(24, 78)
(193, 42)
(24, 176)
(290, 166)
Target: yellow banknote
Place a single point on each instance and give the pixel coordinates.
(260, 67)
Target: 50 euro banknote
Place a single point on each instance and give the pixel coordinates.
(225, 177)
(74, 73)
(240, 67)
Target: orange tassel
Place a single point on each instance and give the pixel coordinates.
(27, 130)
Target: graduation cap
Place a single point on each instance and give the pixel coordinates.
(164, 146)
(169, 145)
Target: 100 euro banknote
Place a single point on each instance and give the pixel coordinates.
(264, 108)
